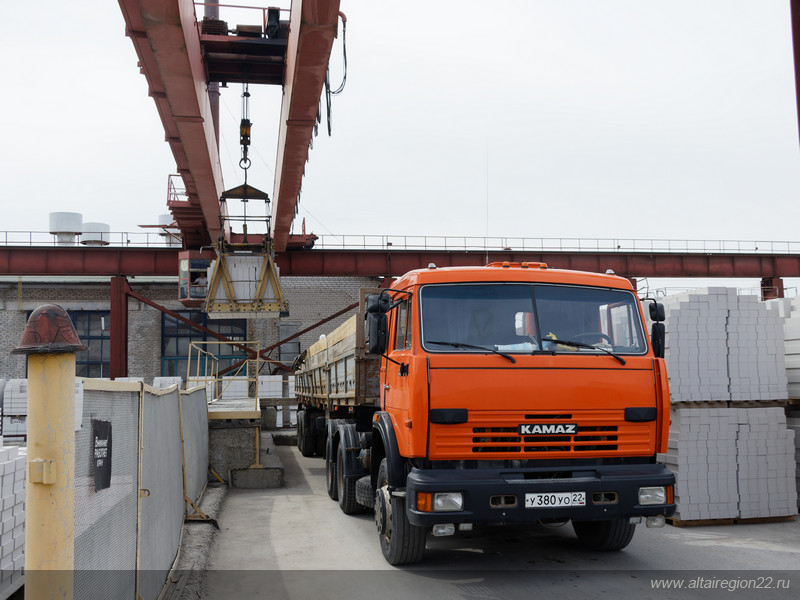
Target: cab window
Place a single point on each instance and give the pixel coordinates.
(402, 339)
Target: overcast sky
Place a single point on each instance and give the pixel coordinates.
(554, 118)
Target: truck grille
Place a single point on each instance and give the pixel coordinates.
(496, 435)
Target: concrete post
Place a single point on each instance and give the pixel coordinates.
(50, 341)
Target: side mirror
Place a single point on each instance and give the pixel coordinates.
(659, 338)
(657, 312)
(378, 303)
(377, 332)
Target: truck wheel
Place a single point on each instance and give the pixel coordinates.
(613, 534)
(300, 417)
(319, 444)
(401, 542)
(345, 487)
(305, 439)
(330, 470)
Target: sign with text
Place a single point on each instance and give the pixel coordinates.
(101, 454)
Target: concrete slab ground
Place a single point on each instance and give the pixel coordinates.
(295, 543)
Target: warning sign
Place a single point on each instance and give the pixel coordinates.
(101, 454)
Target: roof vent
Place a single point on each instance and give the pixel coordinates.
(96, 234)
(66, 226)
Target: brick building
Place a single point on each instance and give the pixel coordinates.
(157, 343)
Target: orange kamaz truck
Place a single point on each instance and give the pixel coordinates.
(498, 395)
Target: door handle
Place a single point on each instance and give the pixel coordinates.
(386, 387)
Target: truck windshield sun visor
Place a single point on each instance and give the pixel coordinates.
(521, 318)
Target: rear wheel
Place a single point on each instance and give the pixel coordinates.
(606, 536)
(401, 542)
(305, 437)
(345, 486)
(330, 470)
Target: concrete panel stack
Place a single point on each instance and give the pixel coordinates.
(12, 518)
(15, 408)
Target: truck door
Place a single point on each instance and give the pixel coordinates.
(396, 386)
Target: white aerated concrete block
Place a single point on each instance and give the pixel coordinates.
(732, 463)
(13, 462)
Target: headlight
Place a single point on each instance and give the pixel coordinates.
(448, 502)
(653, 495)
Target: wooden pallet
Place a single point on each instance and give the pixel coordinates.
(732, 404)
(736, 521)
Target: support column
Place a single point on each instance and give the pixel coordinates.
(771, 287)
(119, 328)
(50, 341)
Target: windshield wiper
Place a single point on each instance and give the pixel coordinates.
(474, 347)
(582, 345)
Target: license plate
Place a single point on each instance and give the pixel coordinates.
(555, 499)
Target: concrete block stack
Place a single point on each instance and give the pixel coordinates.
(789, 310)
(12, 518)
(270, 386)
(702, 454)
(732, 463)
(756, 354)
(724, 347)
(235, 387)
(793, 423)
(15, 408)
(725, 354)
(696, 350)
(165, 382)
(765, 450)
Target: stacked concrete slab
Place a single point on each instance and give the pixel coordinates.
(12, 518)
(732, 463)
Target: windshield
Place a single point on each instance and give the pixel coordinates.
(523, 318)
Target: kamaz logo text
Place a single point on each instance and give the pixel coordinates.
(548, 429)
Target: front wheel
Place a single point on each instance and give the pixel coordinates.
(606, 536)
(401, 542)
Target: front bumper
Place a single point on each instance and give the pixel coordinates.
(480, 486)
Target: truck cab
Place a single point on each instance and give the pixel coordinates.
(515, 393)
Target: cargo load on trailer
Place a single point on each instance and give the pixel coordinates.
(497, 395)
